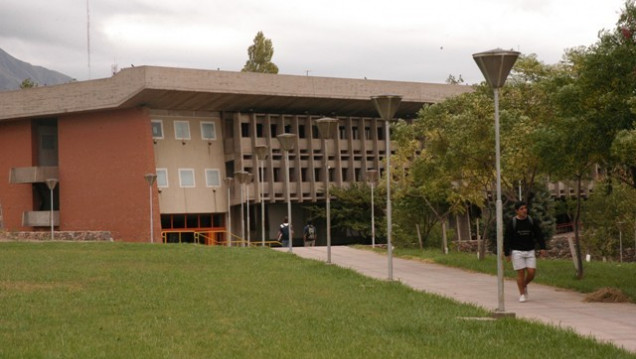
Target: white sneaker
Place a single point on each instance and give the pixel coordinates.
(522, 298)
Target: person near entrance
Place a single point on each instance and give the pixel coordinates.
(522, 236)
(309, 235)
(283, 232)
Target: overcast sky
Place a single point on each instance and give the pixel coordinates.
(404, 40)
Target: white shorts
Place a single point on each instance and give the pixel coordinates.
(523, 259)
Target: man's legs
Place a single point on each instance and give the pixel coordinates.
(524, 277)
(521, 280)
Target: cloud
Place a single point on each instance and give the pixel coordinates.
(398, 40)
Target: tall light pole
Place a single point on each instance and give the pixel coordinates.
(387, 106)
(261, 154)
(495, 65)
(150, 178)
(241, 177)
(248, 180)
(327, 129)
(51, 183)
(228, 184)
(287, 142)
(372, 177)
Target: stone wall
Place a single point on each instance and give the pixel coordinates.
(76, 236)
(558, 248)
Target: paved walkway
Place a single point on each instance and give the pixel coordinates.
(613, 322)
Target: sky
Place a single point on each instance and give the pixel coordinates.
(398, 40)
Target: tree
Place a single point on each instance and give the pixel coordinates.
(351, 210)
(260, 56)
(609, 210)
(28, 83)
(606, 76)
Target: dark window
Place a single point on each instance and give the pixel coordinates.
(245, 130)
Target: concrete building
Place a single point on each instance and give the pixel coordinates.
(193, 129)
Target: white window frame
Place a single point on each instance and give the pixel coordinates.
(202, 123)
(208, 176)
(162, 174)
(183, 171)
(160, 122)
(176, 132)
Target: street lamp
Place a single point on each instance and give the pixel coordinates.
(51, 183)
(228, 184)
(387, 106)
(287, 142)
(150, 178)
(495, 65)
(242, 178)
(248, 180)
(327, 129)
(261, 154)
(372, 177)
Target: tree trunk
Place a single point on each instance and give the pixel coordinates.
(577, 240)
(444, 239)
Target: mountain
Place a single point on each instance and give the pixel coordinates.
(14, 71)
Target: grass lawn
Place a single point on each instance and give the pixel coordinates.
(125, 300)
(555, 272)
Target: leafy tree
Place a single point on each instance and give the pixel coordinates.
(606, 76)
(459, 141)
(260, 56)
(351, 210)
(452, 80)
(567, 144)
(28, 83)
(609, 210)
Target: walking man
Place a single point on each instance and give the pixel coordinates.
(284, 233)
(309, 235)
(521, 238)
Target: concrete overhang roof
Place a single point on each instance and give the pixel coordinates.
(209, 90)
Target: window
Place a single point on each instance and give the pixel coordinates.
(186, 177)
(245, 130)
(157, 129)
(162, 177)
(212, 178)
(181, 130)
(208, 131)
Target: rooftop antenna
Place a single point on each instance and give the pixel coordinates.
(88, 38)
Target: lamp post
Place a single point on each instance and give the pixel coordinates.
(51, 183)
(241, 177)
(228, 184)
(261, 154)
(327, 129)
(495, 65)
(387, 106)
(287, 142)
(372, 177)
(248, 180)
(150, 178)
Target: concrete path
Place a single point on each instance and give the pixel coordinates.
(612, 322)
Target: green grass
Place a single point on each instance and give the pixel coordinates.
(555, 272)
(124, 300)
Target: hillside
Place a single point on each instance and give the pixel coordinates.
(14, 71)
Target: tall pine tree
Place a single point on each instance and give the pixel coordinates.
(260, 56)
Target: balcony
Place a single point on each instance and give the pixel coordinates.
(40, 218)
(32, 174)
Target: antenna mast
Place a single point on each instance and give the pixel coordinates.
(88, 38)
